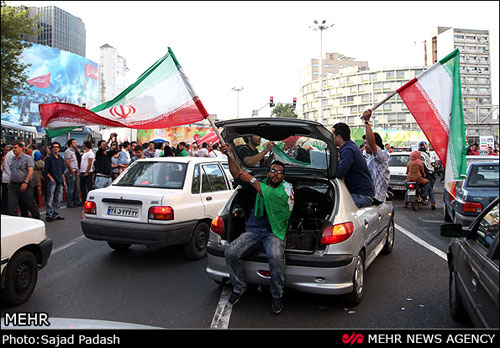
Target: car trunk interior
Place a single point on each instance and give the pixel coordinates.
(313, 206)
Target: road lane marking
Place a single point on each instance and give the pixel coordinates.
(223, 311)
(422, 242)
(67, 245)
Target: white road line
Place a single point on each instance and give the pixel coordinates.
(223, 311)
(422, 242)
(67, 245)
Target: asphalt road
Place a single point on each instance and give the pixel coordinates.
(160, 287)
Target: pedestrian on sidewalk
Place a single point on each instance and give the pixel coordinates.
(54, 172)
(20, 187)
(72, 175)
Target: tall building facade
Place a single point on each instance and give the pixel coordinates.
(481, 117)
(348, 94)
(112, 73)
(60, 29)
(332, 64)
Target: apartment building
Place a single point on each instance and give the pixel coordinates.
(481, 117)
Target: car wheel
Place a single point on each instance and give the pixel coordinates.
(389, 242)
(119, 246)
(447, 216)
(355, 297)
(197, 246)
(457, 308)
(21, 277)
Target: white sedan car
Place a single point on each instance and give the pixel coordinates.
(25, 250)
(159, 202)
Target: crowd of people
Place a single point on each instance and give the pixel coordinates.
(31, 175)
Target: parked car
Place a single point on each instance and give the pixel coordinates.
(25, 250)
(474, 193)
(330, 242)
(159, 202)
(398, 162)
(473, 265)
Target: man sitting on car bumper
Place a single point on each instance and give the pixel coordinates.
(267, 226)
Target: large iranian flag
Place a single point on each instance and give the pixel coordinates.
(434, 98)
(161, 97)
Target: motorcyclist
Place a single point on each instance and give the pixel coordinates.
(415, 172)
(429, 171)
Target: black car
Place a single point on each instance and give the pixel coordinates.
(473, 264)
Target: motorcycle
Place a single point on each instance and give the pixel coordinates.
(438, 169)
(415, 198)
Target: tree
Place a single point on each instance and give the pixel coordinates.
(16, 24)
(284, 111)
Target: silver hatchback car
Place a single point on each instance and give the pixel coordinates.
(330, 242)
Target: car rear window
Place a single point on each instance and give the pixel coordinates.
(484, 176)
(294, 151)
(154, 174)
(399, 160)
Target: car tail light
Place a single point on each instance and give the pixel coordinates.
(90, 208)
(337, 233)
(265, 273)
(218, 225)
(161, 213)
(472, 207)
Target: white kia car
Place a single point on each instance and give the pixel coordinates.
(160, 202)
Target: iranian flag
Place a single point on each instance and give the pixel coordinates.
(161, 97)
(434, 98)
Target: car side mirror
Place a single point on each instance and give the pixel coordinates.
(454, 231)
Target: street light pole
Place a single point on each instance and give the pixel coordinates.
(321, 25)
(237, 90)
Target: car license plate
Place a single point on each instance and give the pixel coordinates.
(398, 187)
(411, 192)
(121, 211)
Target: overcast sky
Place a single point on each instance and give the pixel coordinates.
(262, 46)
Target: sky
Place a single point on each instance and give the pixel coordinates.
(263, 46)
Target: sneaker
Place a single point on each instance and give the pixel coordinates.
(59, 218)
(433, 206)
(277, 305)
(49, 219)
(235, 296)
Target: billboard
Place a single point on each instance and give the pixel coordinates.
(54, 76)
(177, 134)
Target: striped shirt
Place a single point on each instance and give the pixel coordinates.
(378, 166)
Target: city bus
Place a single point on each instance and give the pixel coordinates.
(12, 132)
(80, 134)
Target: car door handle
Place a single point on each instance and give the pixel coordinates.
(209, 198)
(474, 281)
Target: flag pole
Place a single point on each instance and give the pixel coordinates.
(382, 102)
(212, 124)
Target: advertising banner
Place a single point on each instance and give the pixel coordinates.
(177, 134)
(54, 76)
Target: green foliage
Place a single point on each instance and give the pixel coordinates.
(284, 111)
(15, 24)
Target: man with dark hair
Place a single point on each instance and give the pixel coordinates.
(267, 226)
(54, 170)
(352, 167)
(182, 150)
(103, 164)
(377, 161)
(86, 172)
(249, 153)
(20, 186)
(72, 175)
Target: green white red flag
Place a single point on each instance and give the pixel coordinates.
(434, 98)
(161, 97)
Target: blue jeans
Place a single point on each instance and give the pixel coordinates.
(101, 182)
(361, 201)
(53, 199)
(275, 252)
(72, 191)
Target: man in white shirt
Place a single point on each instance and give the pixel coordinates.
(86, 170)
(72, 175)
(203, 152)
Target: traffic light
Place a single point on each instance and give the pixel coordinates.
(294, 102)
(271, 101)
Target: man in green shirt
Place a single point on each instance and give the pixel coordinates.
(182, 150)
(266, 225)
